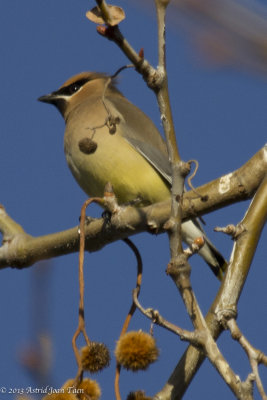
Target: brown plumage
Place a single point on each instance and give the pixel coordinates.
(108, 139)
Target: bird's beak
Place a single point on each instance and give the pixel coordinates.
(54, 99)
(47, 98)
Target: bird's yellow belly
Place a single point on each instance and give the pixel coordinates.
(117, 162)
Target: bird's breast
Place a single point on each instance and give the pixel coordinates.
(95, 157)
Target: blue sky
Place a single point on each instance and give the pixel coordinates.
(220, 118)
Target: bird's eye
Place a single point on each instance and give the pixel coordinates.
(73, 88)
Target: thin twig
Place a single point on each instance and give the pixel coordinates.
(132, 309)
(81, 321)
(152, 77)
(156, 318)
(104, 10)
(255, 356)
(121, 69)
(189, 179)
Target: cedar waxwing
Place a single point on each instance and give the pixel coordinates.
(108, 139)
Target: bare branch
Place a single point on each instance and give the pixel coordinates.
(225, 303)
(180, 273)
(255, 356)
(113, 33)
(23, 250)
(156, 318)
(243, 252)
(8, 227)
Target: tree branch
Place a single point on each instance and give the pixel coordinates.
(22, 250)
(255, 356)
(156, 318)
(225, 303)
(114, 34)
(180, 273)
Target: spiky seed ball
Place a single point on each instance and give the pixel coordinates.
(139, 395)
(136, 350)
(87, 388)
(95, 357)
(60, 396)
(90, 388)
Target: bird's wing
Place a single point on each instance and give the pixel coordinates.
(143, 135)
(155, 157)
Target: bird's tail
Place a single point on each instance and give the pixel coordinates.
(213, 258)
(190, 231)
